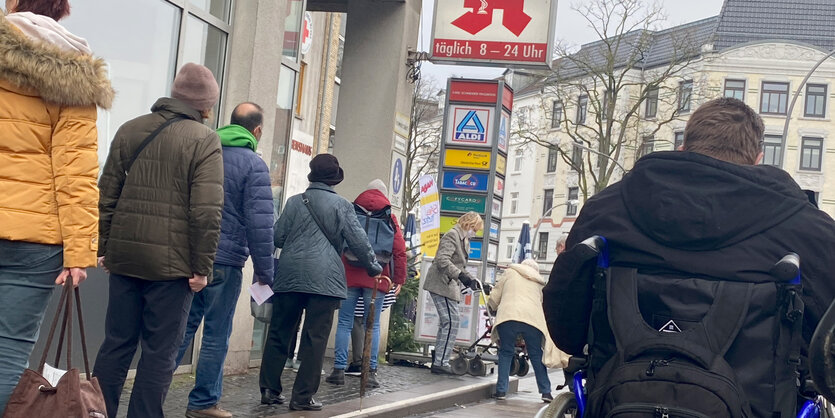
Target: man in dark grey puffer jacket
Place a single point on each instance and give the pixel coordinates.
(159, 229)
(310, 278)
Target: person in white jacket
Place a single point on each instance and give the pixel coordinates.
(517, 301)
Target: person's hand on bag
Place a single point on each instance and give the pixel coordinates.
(475, 285)
(197, 283)
(78, 275)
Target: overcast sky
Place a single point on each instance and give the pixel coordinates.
(571, 28)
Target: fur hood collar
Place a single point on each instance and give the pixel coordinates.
(60, 77)
(528, 273)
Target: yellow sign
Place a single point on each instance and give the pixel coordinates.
(467, 159)
(447, 222)
(501, 164)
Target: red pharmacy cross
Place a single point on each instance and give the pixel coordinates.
(481, 15)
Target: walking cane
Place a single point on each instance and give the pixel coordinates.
(369, 327)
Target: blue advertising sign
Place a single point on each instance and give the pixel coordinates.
(459, 180)
(475, 250)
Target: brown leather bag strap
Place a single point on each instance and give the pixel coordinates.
(51, 334)
(81, 330)
(68, 313)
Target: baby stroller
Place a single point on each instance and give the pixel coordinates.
(474, 359)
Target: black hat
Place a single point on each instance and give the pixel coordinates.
(324, 168)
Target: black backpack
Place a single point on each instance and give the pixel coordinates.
(380, 229)
(672, 334)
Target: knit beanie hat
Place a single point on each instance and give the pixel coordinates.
(324, 168)
(378, 184)
(195, 85)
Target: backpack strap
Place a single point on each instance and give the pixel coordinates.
(313, 215)
(704, 342)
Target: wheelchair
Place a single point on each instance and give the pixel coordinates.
(573, 403)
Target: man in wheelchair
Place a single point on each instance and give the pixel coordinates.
(681, 312)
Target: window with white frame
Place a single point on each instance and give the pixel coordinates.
(811, 151)
(773, 150)
(514, 202)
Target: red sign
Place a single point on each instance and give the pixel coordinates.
(497, 32)
(507, 98)
(473, 91)
(514, 17)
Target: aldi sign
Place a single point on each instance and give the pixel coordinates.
(497, 32)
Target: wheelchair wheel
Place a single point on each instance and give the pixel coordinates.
(524, 367)
(514, 366)
(563, 406)
(477, 367)
(459, 365)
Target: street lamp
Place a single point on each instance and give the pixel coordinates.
(535, 254)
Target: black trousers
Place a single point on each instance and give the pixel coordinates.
(318, 320)
(152, 313)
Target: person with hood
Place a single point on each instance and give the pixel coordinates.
(709, 211)
(50, 85)
(161, 201)
(360, 285)
(443, 281)
(312, 231)
(246, 228)
(517, 301)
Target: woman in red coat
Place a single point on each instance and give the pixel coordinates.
(360, 285)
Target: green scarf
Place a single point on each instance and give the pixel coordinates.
(237, 136)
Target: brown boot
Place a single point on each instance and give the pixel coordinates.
(213, 412)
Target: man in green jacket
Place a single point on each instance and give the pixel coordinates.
(159, 228)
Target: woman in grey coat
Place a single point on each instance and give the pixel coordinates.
(443, 282)
(310, 278)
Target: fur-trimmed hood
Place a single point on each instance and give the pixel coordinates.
(60, 77)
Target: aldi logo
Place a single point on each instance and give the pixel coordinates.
(470, 125)
(471, 129)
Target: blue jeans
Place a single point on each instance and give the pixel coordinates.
(346, 323)
(27, 278)
(216, 305)
(508, 331)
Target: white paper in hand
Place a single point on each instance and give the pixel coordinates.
(260, 292)
(52, 375)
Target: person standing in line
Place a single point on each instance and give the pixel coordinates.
(246, 229)
(517, 301)
(160, 224)
(361, 284)
(311, 231)
(50, 85)
(443, 282)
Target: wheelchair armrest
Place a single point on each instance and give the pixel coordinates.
(575, 364)
(822, 355)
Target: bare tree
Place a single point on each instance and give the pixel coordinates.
(621, 88)
(424, 142)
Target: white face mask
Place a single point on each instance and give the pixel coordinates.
(469, 234)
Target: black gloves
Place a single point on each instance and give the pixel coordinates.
(486, 288)
(465, 278)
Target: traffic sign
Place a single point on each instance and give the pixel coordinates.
(398, 168)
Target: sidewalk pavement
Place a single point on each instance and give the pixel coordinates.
(403, 391)
(526, 402)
